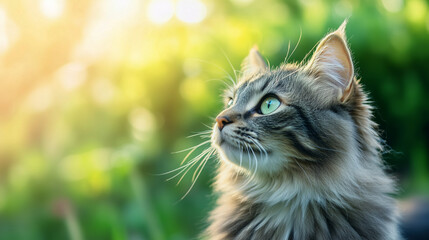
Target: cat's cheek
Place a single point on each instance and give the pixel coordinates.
(225, 153)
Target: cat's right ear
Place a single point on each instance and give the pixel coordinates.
(254, 63)
(332, 64)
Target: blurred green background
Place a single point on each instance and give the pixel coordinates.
(96, 95)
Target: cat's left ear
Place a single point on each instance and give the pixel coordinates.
(254, 63)
(332, 64)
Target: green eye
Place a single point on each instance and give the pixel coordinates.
(230, 102)
(269, 105)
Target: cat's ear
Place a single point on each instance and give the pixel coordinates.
(253, 63)
(332, 64)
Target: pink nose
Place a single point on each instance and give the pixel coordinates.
(222, 121)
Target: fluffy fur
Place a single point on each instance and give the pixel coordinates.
(311, 169)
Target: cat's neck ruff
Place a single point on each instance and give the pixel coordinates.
(288, 204)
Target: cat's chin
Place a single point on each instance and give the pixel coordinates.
(252, 160)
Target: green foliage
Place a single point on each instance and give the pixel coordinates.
(94, 101)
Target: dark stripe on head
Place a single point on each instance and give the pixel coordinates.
(240, 89)
(314, 154)
(312, 133)
(267, 81)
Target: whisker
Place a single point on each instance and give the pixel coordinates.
(191, 163)
(296, 46)
(232, 67)
(205, 160)
(260, 147)
(249, 160)
(191, 148)
(200, 133)
(287, 53)
(186, 157)
(190, 152)
(172, 171)
(241, 152)
(185, 169)
(209, 127)
(221, 80)
(218, 67)
(256, 163)
(196, 170)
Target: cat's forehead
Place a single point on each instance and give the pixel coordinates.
(273, 81)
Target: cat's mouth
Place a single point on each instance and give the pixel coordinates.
(238, 150)
(241, 148)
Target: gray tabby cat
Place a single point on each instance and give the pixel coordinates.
(300, 156)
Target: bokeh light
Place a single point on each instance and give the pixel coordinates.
(160, 11)
(52, 8)
(393, 5)
(191, 11)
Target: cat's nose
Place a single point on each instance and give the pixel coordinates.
(222, 121)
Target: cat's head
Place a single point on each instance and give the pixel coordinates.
(293, 116)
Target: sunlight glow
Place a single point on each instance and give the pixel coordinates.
(242, 2)
(142, 121)
(393, 5)
(160, 11)
(52, 8)
(191, 11)
(40, 99)
(4, 38)
(416, 11)
(72, 75)
(121, 10)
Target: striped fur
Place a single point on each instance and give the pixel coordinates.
(310, 170)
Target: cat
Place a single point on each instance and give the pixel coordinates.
(300, 157)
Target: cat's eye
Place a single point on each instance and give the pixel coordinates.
(230, 102)
(269, 105)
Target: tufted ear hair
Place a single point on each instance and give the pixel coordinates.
(253, 63)
(332, 64)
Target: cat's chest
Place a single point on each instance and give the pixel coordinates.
(259, 221)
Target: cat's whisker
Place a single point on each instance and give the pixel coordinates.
(186, 157)
(189, 165)
(256, 164)
(240, 151)
(260, 147)
(174, 170)
(232, 67)
(241, 155)
(192, 148)
(296, 46)
(291, 73)
(196, 170)
(186, 168)
(209, 127)
(249, 160)
(220, 68)
(205, 160)
(287, 53)
(194, 161)
(222, 81)
(206, 132)
(248, 154)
